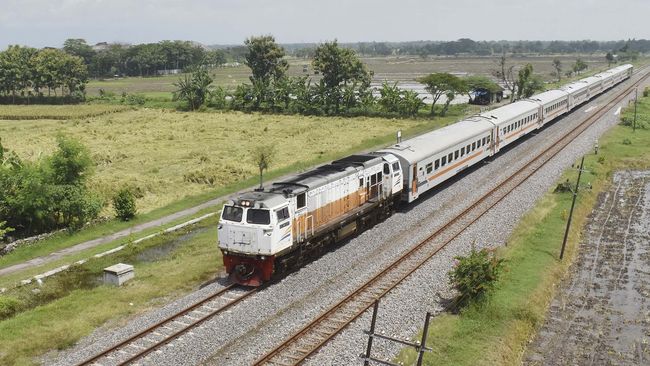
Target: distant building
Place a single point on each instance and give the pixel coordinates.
(100, 46)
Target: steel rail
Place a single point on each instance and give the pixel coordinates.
(166, 339)
(318, 332)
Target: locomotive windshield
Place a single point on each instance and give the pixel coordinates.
(232, 213)
(259, 217)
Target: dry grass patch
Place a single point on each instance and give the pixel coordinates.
(166, 155)
(57, 112)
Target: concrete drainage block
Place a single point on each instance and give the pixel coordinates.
(118, 274)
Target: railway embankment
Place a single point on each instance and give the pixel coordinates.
(590, 292)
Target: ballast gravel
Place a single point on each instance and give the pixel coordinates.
(248, 330)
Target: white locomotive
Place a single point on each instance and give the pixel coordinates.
(266, 232)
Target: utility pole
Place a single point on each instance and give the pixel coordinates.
(573, 203)
(636, 96)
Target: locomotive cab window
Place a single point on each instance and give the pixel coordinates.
(232, 213)
(258, 217)
(282, 214)
(360, 182)
(301, 200)
(395, 166)
(386, 169)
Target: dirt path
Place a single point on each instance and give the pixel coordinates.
(109, 238)
(601, 315)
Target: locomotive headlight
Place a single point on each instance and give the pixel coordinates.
(219, 227)
(268, 232)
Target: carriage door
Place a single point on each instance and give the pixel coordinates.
(414, 181)
(387, 183)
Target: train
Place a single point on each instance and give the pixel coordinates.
(264, 233)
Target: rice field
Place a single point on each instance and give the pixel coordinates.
(58, 112)
(166, 155)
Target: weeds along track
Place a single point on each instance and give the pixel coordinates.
(298, 347)
(170, 328)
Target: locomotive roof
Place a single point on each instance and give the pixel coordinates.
(259, 199)
(326, 173)
(425, 145)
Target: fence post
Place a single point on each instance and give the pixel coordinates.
(423, 343)
(372, 333)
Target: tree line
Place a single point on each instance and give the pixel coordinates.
(343, 87)
(27, 73)
(142, 59)
(468, 46)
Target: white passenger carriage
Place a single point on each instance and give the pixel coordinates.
(431, 158)
(553, 103)
(578, 93)
(513, 121)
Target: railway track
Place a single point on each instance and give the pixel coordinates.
(172, 327)
(316, 334)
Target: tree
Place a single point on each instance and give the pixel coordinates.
(71, 164)
(263, 158)
(439, 84)
(79, 47)
(341, 68)
(266, 60)
(579, 66)
(528, 83)
(396, 100)
(557, 66)
(194, 88)
(124, 204)
(480, 82)
(610, 59)
(506, 75)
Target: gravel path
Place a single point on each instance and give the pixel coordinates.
(250, 329)
(601, 314)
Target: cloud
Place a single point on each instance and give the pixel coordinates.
(49, 22)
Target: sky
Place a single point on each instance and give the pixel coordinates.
(41, 23)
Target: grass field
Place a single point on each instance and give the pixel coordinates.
(166, 155)
(497, 332)
(75, 304)
(57, 112)
(401, 69)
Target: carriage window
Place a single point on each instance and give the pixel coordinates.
(444, 160)
(473, 146)
(462, 151)
(301, 201)
(456, 154)
(468, 146)
(450, 157)
(282, 214)
(429, 168)
(437, 164)
(232, 213)
(484, 139)
(373, 180)
(360, 182)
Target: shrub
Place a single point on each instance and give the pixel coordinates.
(646, 92)
(627, 141)
(9, 306)
(474, 275)
(124, 204)
(133, 99)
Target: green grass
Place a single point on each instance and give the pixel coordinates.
(60, 323)
(497, 332)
